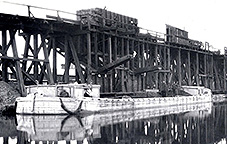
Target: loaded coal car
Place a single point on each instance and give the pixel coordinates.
(179, 37)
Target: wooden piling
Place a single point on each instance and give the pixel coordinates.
(189, 68)
(4, 53)
(54, 60)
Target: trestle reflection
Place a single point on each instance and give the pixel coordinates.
(191, 124)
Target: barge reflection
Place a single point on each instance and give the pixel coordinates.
(171, 124)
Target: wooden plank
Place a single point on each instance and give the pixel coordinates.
(147, 69)
(114, 64)
(163, 71)
(24, 59)
(63, 19)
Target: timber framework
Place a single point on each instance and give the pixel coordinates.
(105, 48)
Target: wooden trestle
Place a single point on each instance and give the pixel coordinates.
(107, 49)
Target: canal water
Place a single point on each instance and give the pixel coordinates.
(191, 124)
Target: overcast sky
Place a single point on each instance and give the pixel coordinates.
(205, 20)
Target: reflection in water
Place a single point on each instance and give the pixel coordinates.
(179, 125)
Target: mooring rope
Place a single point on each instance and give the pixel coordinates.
(68, 111)
(33, 104)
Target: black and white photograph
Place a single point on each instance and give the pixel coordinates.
(113, 72)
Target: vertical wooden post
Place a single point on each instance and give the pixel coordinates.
(122, 71)
(78, 44)
(205, 70)
(104, 61)
(139, 65)
(189, 68)
(147, 78)
(54, 60)
(225, 117)
(212, 72)
(17, 65)
(197, 69)
(165, 62)
(47, 63)
(224, 72)
(160, 75)
(36, 56)
(128, 79)
(67, 64)
(26, 49)
(115, 58)
(76, 61)
(4, 53)
(169, 63)
(156, 62)
(110, 61)
(143, 65)
(89, 58)
(96, 54)
(179, 67)
(198, 130)
(133, 67)
(5, 140)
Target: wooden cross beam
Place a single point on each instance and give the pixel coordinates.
(114, 64)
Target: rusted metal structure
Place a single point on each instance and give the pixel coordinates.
(106, 48)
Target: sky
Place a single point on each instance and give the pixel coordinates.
(205, 20)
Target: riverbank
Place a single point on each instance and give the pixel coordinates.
(8, 95)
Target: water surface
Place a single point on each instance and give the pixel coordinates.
(191, 124)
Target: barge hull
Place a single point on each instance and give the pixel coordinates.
(50, 105)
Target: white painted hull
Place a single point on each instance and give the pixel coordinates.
(106, 104)
(53, 105)
(50, 127)
(39, 103)
(45, 105)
